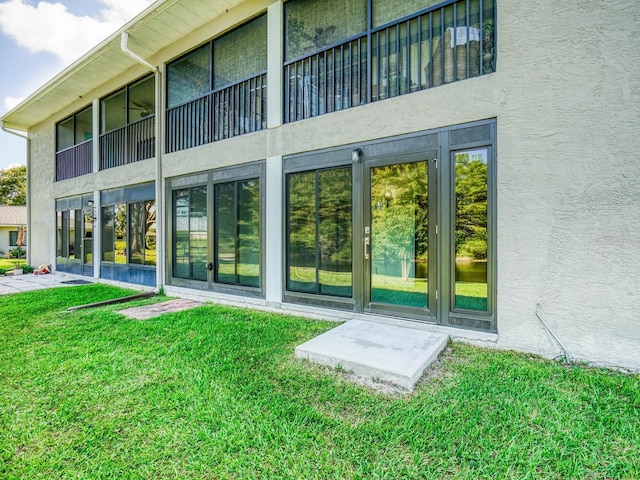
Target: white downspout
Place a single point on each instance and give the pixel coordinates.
(124, 40)
(160, 253)
(26, 137)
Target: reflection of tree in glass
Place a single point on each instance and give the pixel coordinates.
(399, 214)
(334, 212)
(471, 205)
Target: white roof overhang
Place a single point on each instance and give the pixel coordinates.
(161, 24)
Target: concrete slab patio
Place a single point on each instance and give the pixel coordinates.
(374, 350)
(28, 282)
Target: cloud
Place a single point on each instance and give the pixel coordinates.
(10, 102)
(50, 27)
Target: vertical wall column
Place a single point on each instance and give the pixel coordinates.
(273, 231)
(97, 223)
(274, 64)
(273, 187)
(161, 239)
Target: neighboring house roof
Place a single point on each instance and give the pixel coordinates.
(160, 25)
(13, 216)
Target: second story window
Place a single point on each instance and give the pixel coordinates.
(127, 124)
(74, 146)
(218, 91)
(344, 53)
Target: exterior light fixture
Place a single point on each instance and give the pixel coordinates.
(356, 155)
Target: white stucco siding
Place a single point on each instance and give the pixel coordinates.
(42, 228)
(569, 179)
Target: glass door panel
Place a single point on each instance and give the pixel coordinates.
(87, 244)
(399, 253)
(319, 226)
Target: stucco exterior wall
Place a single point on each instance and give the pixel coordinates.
(566, 96)
(569, 179)
(42, 226)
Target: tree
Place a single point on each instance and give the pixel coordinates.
(13, 186)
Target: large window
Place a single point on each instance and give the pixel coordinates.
(127, 124)
(319, 232)
(190, 233)
(217, 230)
(129, 233)
(218, 90)
(333, 60)
(237, 233)
(73, 145)
(69, 233)
(471, 234)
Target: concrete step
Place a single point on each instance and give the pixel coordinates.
(377, 351)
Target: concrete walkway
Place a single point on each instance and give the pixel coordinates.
(376, 351)
(29, 282)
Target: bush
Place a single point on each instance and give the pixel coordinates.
(17, 252)
(476, 249)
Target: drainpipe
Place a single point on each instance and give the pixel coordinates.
(160, 245)
(124, 40)
(26, 137)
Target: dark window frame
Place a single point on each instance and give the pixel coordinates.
(252, 171)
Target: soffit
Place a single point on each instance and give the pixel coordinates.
(161, 24)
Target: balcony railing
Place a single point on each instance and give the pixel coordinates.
(224, 113)
(327, 81)
(129, 144)
(74, 161)
(449, 42)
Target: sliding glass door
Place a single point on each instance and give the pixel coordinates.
(399, 252)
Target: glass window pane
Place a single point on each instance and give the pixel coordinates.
(399, 234)
(137, 224)
(88, 238)
(59, 244)
(120, 229)
(335, 234)
(150, 233)
(108, 235)
(310, 25)
(301, 241)
(248, 268)
(72, 234)
(142, 99)
(248, 43)
(225, 235)
(114, 111)
(471, 230)
(189, 77)
(181, 238)
(64, 134)
(198, 233)
(385, 11)
(84, 125)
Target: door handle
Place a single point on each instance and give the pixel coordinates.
(367, 242)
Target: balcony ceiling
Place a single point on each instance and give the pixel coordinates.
(162, 23)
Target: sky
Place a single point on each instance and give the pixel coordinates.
(38, 39)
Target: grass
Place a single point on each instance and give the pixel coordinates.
(215, 392)
(7, 264)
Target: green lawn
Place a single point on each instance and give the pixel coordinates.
(215, 392)
(7, 264)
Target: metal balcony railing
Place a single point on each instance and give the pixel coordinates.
(74, 161)
(224, 113)
(129, 144)
(448, 42)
